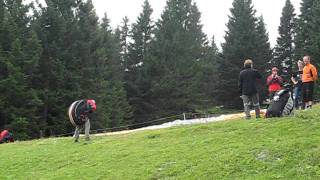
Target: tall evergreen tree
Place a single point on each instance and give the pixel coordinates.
(117, 110)
(284, 50)
(138, 49)
(19, 49)
(209, 77)
(56, 80)
(303, 29)
(263, 55)
(245, 38)
(123, 33)
(314, 48)
(263, 52)
(174, 66)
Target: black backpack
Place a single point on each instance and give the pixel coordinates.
(282, 103)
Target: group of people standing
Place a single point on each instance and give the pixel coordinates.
(303, 82)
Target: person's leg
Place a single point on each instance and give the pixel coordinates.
(77, 133)
(256, 104)
(308, 94)
(296, 97)
(246, 105)
(299, 93)
(304, 95)
(311, 84)
(87, 129)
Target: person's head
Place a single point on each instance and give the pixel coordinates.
(248, 63)
(306, 59)
(274, 71)
(92, 105)
(300, 64)
(4, 132)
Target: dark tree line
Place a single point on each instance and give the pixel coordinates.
(55, 54)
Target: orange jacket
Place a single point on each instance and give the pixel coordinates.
(309, 73)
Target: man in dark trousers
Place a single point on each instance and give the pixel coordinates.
(78, 114)
(248, 89)
(309, 77)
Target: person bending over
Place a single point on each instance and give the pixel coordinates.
(78, 115)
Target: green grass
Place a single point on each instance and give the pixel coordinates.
(286, 148)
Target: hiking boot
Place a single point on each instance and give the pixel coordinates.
(76, 141)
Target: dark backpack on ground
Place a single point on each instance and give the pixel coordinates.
(281, 104)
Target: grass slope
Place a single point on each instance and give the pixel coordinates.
(287, 148)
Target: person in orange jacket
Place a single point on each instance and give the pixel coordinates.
(309, 76)
(274, 82)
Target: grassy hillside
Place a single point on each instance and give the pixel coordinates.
(287, 148)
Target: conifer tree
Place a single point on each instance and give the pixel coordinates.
(175, 55)
(314, 48)
(117, 111)
(246, 38)
(209, 78)
(284, 50)
(20, 50)
(56, 81)
(123, 33)
(303, 29)
(138, 49)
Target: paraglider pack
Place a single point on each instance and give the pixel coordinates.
(282, 103)
(79, 110)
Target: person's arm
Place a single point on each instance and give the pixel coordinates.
(269, 80)
(314, 73)
(279, 79)
(258, 75)
(293, 80)
(240, 84)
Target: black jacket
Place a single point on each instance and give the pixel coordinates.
(247, 81)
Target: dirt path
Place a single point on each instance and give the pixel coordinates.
(183, 122)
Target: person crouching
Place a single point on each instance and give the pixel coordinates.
(78, 115)
(6, 137)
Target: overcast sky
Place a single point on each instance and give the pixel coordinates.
(214, 13)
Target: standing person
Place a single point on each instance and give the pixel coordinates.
(274, 82)
(309, 76)
(248, 89)
(296, 79)
(78, 114)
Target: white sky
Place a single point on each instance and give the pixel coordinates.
(214, 13)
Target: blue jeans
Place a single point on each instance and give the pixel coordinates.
(297, 97)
